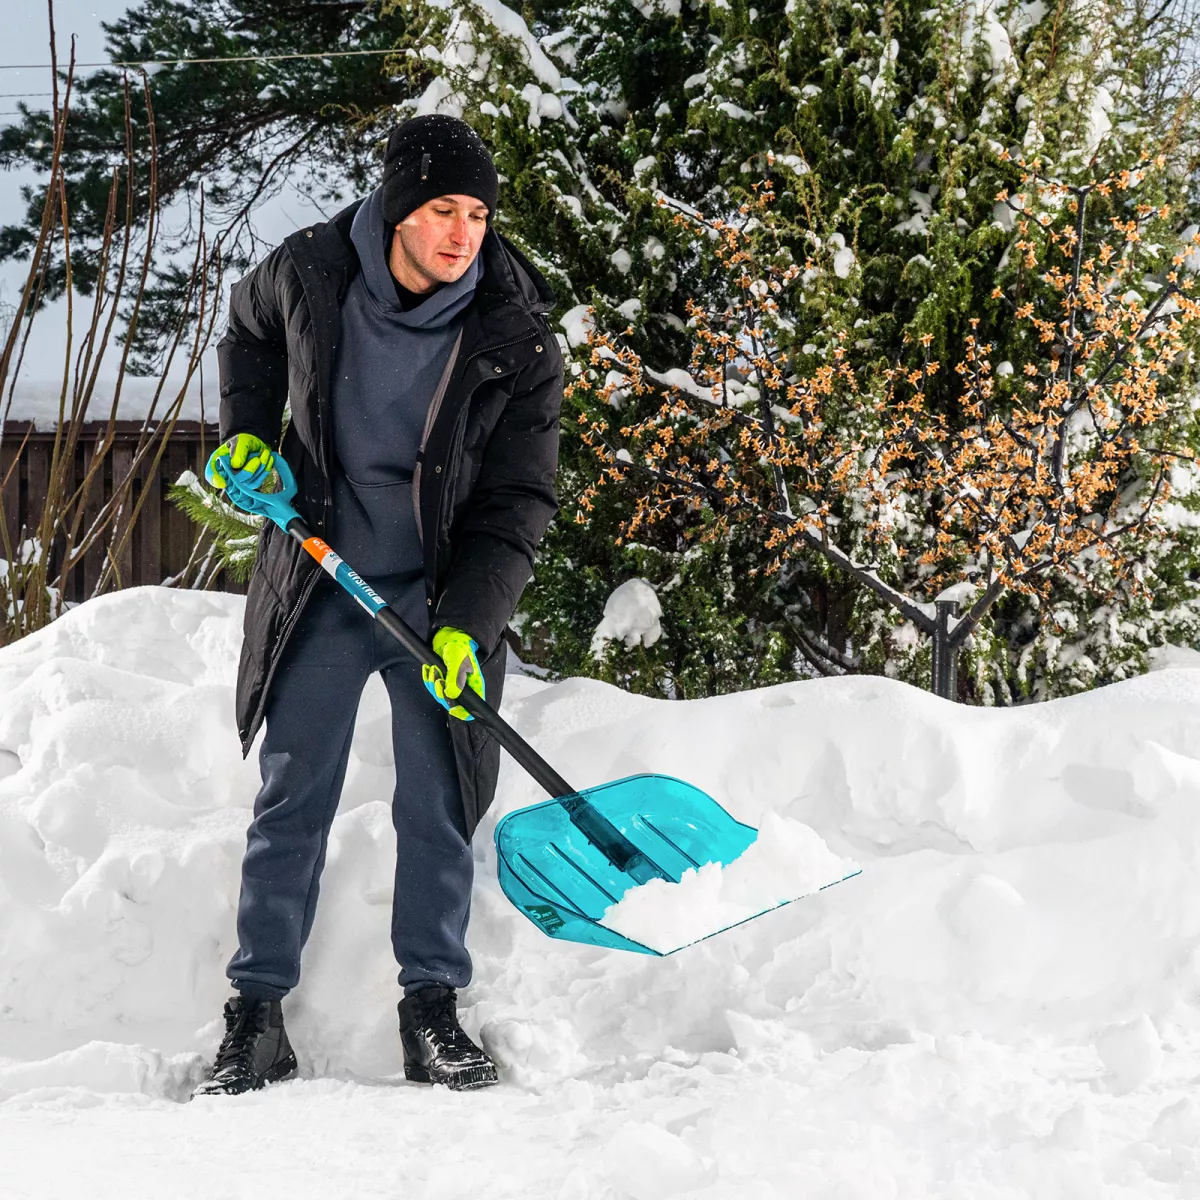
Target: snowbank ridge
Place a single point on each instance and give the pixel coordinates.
(1003, 1004)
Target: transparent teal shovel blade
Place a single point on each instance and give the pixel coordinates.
(551, 871)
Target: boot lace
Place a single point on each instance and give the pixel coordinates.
(440, 1024)
(242, 1026)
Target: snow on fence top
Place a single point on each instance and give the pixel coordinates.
(38, 400)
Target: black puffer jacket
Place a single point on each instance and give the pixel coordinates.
(487, 472)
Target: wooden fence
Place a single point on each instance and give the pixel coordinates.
(163, 535)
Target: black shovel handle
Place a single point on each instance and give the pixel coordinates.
(601, 832)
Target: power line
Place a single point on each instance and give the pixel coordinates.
(170, 62)
(13, 95)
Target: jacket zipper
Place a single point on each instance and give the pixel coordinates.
(431, 416)
(457, 432)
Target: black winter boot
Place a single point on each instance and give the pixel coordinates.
(254, 1052)
(435, 1048)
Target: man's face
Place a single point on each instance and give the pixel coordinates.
(437, 242)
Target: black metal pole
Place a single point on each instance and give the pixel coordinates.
(944, 673)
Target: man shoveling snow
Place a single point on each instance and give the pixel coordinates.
(425, 383)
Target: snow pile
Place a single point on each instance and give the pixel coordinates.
(120, 814)
(1003, 1004)
(578, 323)
(788, 860)
(631, 615)
(843, 257)
(1132, 1053)
(1165, 658)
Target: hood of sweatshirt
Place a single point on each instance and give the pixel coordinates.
(372, 237)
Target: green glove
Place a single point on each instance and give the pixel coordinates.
(457, 650)
(244, 451)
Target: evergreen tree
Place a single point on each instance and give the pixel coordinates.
(887, 127)
(897, 129)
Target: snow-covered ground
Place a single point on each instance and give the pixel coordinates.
(1003, 1004)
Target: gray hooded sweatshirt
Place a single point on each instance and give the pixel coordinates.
(389, 363)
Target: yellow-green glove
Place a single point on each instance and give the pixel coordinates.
(244, 451)
(458, 652)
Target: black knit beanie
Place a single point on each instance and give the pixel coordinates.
(433, 156)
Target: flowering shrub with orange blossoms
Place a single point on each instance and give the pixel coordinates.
(1038, 482)
(738, 438)
(1063, 471)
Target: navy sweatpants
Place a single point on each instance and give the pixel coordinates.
(309, 723)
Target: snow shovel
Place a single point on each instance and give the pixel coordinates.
(564, 861)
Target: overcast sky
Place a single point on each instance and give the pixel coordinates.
(26, 41)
